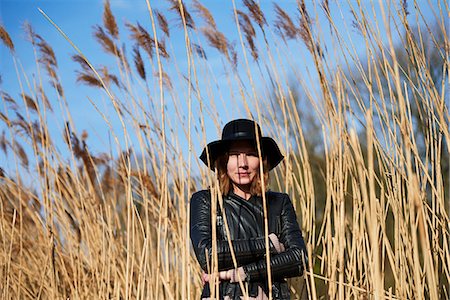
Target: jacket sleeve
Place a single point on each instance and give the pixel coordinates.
(289, 263)
(245, 250)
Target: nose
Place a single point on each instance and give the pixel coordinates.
(242, 160)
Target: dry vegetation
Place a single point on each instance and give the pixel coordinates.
(372, 195)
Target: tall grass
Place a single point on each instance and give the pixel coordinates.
(372, 195)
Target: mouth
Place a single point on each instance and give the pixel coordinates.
(243, 174)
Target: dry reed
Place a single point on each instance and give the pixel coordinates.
(365, 142)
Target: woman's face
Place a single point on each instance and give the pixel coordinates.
(243, 164)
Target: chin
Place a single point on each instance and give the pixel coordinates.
(243, 182)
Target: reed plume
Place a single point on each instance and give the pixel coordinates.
(163, 24)
(284, 24)
(50, 71)
(30, 102)
(7, 98)
(138, 62)
(162, 49)
(48, 56)
(165, 79)
(89, 79)
(404, 4)
(4, 143)
(5, 119)
(21, 154)
(109, 21)
(255, 12)
(4, 36)
(205, 14)
(82, 62)
(217, 40)
(249, 31)
(80, 151)
(357, 24)
(185, 17)
(21, 124)
(58, 87)
(38, 135)
(108, 77)
(142, 37)
(326, 7)
(305, 27)
(105, 41)
(30, 34)
(147, 183)
(45, 99)
(199, 50)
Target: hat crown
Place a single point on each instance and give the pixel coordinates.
(241, 129)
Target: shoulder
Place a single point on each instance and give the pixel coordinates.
(202, 193)
(280, 201)
(277, 196)
(201, 196)
(200, 202)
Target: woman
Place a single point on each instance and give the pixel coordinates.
(237, 161)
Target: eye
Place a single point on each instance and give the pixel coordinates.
(252, 153)
(233, 153)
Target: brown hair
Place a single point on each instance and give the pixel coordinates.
(225, 183)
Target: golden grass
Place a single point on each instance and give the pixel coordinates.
(365, 138)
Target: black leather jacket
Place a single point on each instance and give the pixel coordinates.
(246, 224)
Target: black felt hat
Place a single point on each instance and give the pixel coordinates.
(239, 130)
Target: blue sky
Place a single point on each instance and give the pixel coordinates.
(76, 19)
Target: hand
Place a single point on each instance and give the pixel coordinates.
(279, 247)
(205, 278)
(231, 275)
(236, 274)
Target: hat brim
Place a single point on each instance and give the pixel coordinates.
(269, 149)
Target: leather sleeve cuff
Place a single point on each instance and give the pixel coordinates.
(283, 265)
(246, 251)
